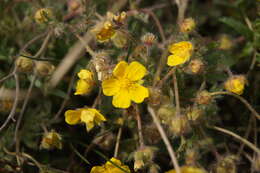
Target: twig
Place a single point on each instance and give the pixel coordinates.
(157, 22)
(13, 110)
(16, 138)
(241, 99)
(44, 45)
(66, 99)
(182, 6)
(176, 93)
(119, 134)
(139, 126)
(165, 139)
(160, 67)
(246, 142)
(164, 79)
(32, 41)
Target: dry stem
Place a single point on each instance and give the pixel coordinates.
(165, 139)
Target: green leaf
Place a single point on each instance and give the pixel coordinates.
(238, 26)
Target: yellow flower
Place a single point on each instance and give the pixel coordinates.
(181, 52)
(89, 116)
(85, 83)
(43, 15)
(104, 31)
(108, 167)
(235, 84)
(188, 169)
(124, 85)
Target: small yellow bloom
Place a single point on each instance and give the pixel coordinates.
(108, 167)
(236, 84)
(181, 52)
(188, 169)
(51, 140)
(104, 31)
(43, 15)
(89, 116)
(124, 86)
(85, 83)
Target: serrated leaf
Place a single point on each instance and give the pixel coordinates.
(238, 26)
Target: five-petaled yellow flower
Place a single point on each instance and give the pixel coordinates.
(188, 169)
(85, 83)
(108, 167)
(125, 85)
(236, 84)
(89, 116)
(181, 53)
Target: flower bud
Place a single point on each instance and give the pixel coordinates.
(73, 5)
(191, 157)
(43, 15)
(187, 25)
(155, 97)
(101, 62)
(44, 68)
(154, 169)
(143, 156)
(148, 39)
(194, 114)
(166, 113)
(51, 140)
(195, 66)
(24, 64)
(227, 165)
(203, 97)
(225, 43)
(120, 39)
(179, 125)
(235, 84)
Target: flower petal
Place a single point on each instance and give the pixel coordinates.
(110, 86)
(83, 87)
(135, 71)
(122, 99)
(98, 169)
(138, 93)
(87, 116)
(177, 59)
(72, 117)
(120, 69)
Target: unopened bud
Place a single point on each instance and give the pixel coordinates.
(24, 64)
(179, 125)
(143, 156)
(187, 25)
(225, 43)
(101, 62)
(235, 84)
(166, 113)
(44, 68)
(203, 97)
(155, 97)
(51, 140)
(227, 165)
(154, 169)
(191, 157)
(43, 15)
(194, 114)
(148, 39)
(195, 66)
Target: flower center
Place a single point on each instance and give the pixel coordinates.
(125, 84)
